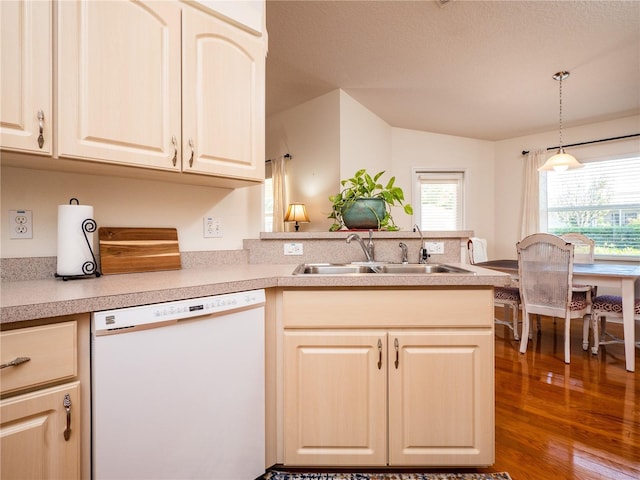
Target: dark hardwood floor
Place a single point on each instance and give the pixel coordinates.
(556, 421)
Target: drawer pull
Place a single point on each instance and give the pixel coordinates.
(66, 403)
(15, 362)
(191, 145)
(397, 347)
(379, 354)
(175, 150)
(40, 128)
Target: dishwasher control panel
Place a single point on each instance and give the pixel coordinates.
(111, 321)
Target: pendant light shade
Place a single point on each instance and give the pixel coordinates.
(561, 161)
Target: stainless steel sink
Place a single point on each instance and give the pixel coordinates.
(332, 269)
(380, 268)
(428, 268)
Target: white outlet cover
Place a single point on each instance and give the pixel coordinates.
(293, 249)
(20, 224)
(434, 247)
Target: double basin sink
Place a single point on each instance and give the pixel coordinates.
(371, 267)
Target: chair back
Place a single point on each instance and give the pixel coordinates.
(584, 247)
(545, 267)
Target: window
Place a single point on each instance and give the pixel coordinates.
(268, 205)
(438, 199)
(600, 200)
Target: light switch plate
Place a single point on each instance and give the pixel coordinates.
(212, 227)
(293, 249)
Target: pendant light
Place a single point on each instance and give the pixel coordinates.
(561, 161)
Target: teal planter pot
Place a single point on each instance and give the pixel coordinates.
(364, 213)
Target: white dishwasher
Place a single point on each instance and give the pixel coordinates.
(177, 390)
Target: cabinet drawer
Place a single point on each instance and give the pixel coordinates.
(52, 350)
(352, 308)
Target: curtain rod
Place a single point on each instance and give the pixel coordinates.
(286, 155)
(524, 152)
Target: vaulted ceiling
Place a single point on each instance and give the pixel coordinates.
(479, 69)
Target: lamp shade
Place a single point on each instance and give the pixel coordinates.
(296, 212)
(560, 162)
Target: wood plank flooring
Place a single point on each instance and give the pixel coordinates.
(556, 421)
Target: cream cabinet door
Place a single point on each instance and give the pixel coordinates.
(26, 68)
(119, 82)
(33, 439)
(223, 98)
(335, 385)
(441, 400)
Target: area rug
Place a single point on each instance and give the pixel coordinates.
(276, 475)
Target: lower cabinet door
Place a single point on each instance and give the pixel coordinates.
(335, 398)
(441, 401)
(34, 444)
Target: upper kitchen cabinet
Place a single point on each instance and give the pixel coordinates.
(161, 85)
(119, 82)
(26, 76)
(222, 99)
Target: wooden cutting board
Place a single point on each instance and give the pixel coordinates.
(128, 250)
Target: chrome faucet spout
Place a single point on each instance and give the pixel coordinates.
(367, 249)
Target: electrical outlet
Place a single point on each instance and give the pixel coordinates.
(20, 224)
(212, 227)
(434, 247)
(293, 249)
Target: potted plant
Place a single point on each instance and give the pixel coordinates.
(366, 204)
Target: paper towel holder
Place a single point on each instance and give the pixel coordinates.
(90, 267)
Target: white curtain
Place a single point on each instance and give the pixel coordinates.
(531, 204)
(279, 193)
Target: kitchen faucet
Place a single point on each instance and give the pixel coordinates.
(423, 255)
(368, 248)
(405, 252)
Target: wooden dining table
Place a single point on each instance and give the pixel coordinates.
(616, 275)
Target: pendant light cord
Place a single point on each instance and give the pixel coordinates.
(561, 113)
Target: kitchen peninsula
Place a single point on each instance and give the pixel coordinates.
(445, 318)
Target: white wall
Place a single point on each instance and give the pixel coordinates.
(509, 168)
(310, 132)
(415, 149)
(365, 140)
(123, 202)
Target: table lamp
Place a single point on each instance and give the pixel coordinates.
(296, 212)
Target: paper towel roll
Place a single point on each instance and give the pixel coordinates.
(73, 250)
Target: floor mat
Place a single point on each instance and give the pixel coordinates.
(278, 475)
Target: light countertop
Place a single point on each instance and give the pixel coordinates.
(36, 299)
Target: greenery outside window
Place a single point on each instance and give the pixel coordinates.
(438, 199)
(600, 200)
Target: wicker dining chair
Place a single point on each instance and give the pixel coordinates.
(506, 297)
(608, 308)
(545, 267)
(583, 252)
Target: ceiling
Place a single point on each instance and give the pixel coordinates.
(478, 69)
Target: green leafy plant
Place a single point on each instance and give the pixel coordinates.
(363, 185)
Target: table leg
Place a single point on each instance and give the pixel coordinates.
(628, 299)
